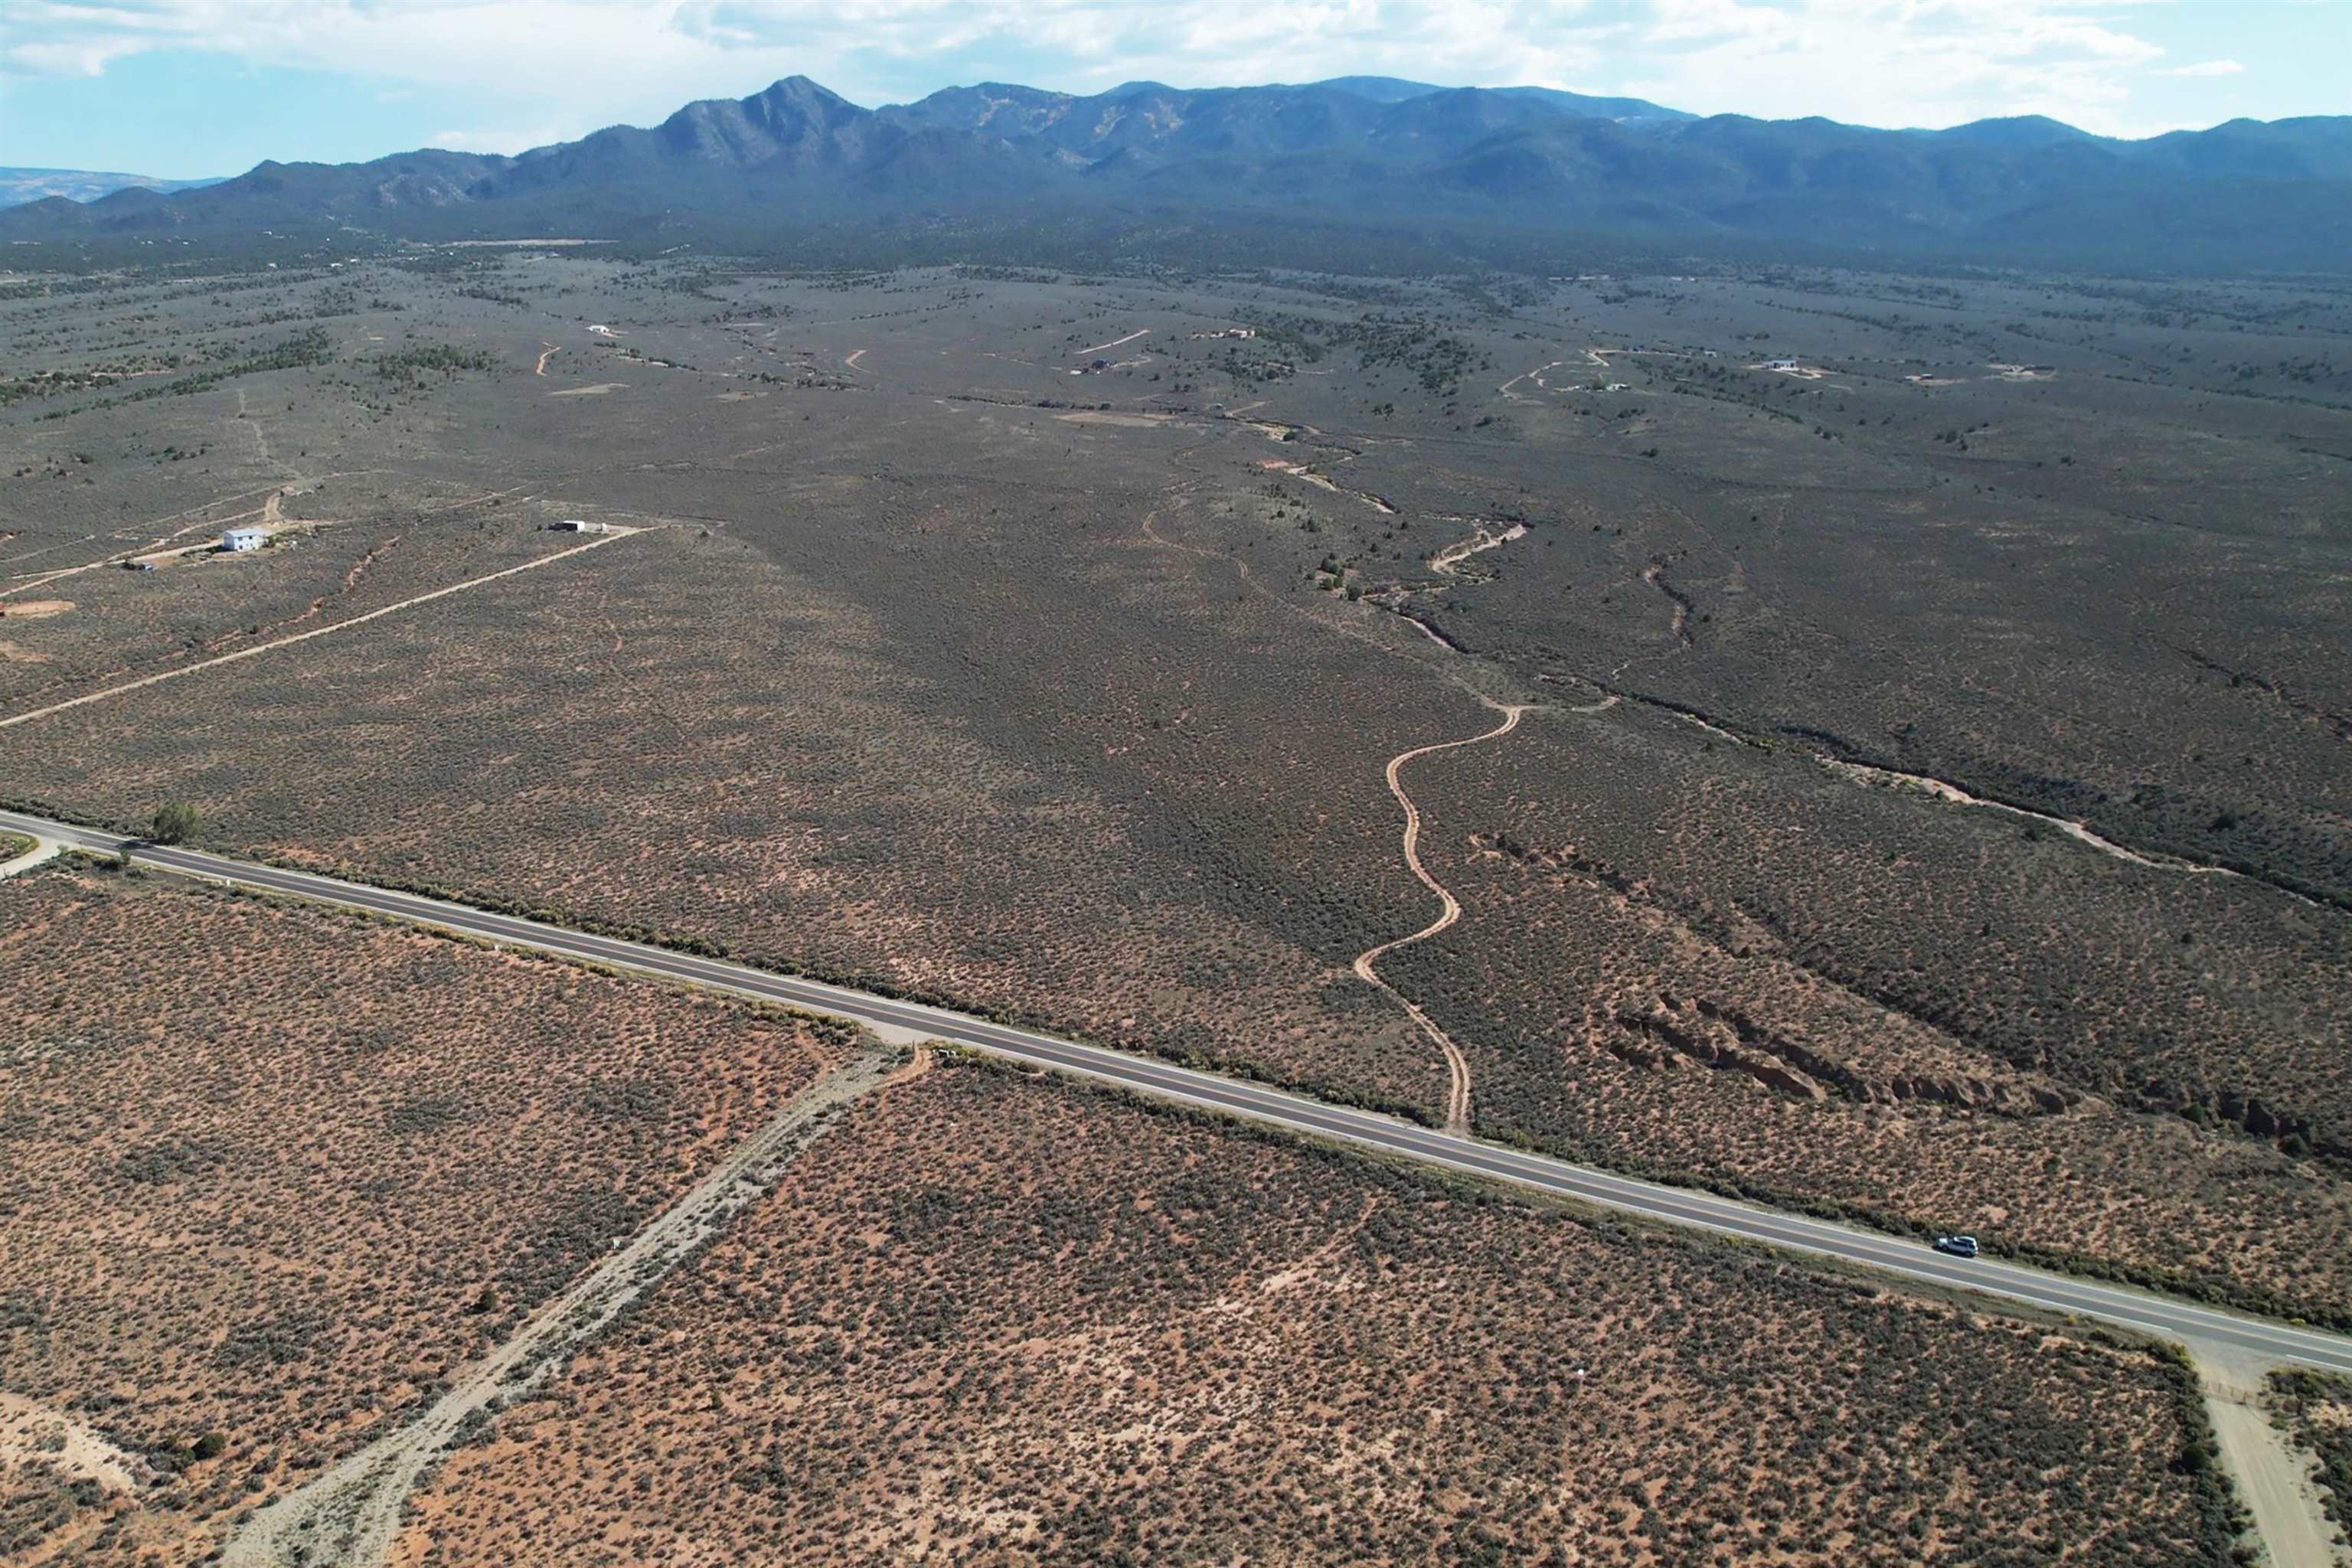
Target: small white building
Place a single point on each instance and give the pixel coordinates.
(239, 539)
(580, 525)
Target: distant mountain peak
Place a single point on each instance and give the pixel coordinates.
(2016, 130)
(19, 187)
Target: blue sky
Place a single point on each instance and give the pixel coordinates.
(188, 87)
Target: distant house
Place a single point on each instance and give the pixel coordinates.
(239, 539)
(580, 525)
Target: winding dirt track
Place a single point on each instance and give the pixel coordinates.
(1520, 397)
(1457, 1099)
(540, 368)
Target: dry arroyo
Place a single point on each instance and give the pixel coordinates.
(1486, 538)
(1953, 795)
(1457, 1099)
(350, 1513)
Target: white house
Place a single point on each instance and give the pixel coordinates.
(577, 525)
(242, 539)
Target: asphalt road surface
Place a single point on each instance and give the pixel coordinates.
(2196, 1325)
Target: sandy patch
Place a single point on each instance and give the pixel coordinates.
(35, 609)
(32, 1434)
(598, 390)
(17, 653)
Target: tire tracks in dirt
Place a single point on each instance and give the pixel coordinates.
(350, 1513)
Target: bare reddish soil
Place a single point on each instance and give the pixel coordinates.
(271, 1173)
(1005, 1321)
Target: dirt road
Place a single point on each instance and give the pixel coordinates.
(350, 1513)
(1458, 1102)
(26, 718)
(43, 849)
(2273, 1476)
(38, 579)
(1116, 342)
(1520, 397)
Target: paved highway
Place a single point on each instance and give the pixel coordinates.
(2202, 1327)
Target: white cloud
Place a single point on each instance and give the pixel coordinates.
(86, 54)
(1900, 62)
(590, 62)
(2207, 67)
(508, 139)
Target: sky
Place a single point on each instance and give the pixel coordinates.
(185, 88)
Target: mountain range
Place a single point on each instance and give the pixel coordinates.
(19, 186)
(1363, 150)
